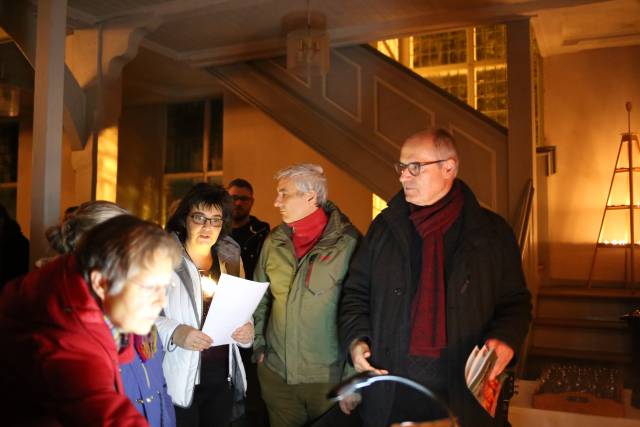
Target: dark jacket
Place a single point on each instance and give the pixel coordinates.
(14, 250)
(486, 298)
(250, 237)
(61, 361)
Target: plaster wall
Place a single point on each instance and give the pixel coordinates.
(255, 147)
(584, 115)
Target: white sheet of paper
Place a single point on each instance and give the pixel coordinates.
(232, 306)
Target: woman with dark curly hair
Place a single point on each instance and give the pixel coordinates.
(202, 379)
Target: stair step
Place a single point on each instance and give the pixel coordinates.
(583, 292)
(586, 323)
(601, 356)
(584, 304)
(580, 338)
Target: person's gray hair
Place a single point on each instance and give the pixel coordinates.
(63, 238)
(307, 177)
(122, 246)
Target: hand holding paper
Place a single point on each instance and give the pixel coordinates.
(244, 334)
(504, 354)
(232, 307)
(480, 365)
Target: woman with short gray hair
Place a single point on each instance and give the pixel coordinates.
(69, 323)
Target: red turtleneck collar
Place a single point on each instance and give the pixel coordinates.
(307, 231)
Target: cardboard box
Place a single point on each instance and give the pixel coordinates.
(580, 402)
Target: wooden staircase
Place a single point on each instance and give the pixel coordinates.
(583, 324)
(360, 113)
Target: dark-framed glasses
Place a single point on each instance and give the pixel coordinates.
(200, 219)
(414, 168)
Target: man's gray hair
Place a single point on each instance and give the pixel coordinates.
(442, 143)
(308, 177)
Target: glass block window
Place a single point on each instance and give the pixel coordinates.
(491, 92)
(469, 63)
(440, 49)
(453, 81)
(185, 130)
(193, 149)
(490, 42)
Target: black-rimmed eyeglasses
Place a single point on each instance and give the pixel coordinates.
(414, 167)
(200, 219)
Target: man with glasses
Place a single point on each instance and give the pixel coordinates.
(305, 259)
(435, 275)
(247, 230)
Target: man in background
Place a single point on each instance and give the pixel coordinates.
(248, 230)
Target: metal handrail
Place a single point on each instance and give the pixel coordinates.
(524, 219)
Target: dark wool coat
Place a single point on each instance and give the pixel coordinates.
(486, 298)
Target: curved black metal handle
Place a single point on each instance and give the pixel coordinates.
(365, 379)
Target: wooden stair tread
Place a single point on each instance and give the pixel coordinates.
(590, 322)
(583, 292)
(569, 353)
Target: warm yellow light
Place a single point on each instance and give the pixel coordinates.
(208, 286)
(390, 48)
(378, 204)
(107, 164)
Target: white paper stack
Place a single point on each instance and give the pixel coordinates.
(232, 306)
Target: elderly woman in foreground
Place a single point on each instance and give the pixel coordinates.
(141, 363)
(67, 322)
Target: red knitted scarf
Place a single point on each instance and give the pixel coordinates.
(307, 231)
(428, 330)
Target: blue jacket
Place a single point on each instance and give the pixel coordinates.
(146, 387)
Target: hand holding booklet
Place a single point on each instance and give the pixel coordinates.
(232, 306)
(476, 373)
